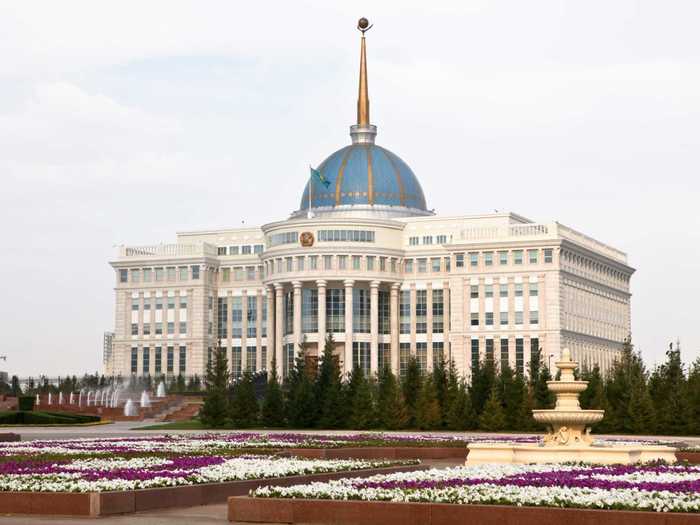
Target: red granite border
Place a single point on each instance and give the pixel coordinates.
(690, 457)
(95, 504)
(243, 509)
(378, 453)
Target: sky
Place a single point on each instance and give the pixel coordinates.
(125, 122)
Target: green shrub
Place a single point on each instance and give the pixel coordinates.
(25, 403)
(44, 418)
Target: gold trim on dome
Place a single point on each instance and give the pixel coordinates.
(370, 176)
(339, 178)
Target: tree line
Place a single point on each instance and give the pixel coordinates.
(663, 401)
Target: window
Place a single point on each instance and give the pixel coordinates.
(221, 250)
(171, 303)
(435, 264)
(237, 317)
(158, 360)
(422, 265)
(252, 316)
(159, 328)
(147, 275)
(488, 290)
(345, 236)
(459, 260)
(475, 318)
(309, 310)
(236, 358)
(505, 360)
(275, 239)
(134, 360)
(473, 259)
(421, 311)
(384, 319)
(534, 317)
(263, 322)
(146, 361)
(335, 310)
(518, 318)
(404, 357)
(405, 312)
(250, 358)
(438, 311)
(422, 356)
(342, 262)
(384, 355)
(246, 250)
(183, 360)
(535, 350)
(300, 263)
(135, 275)
(288, 264)
(360, 356)
(427, 239)
(438, 354)
(355, 262)
(382, 264)
(263, 357)
(183, 273)
(195, 273)
(503, 290)
(370, 263)
(134, 329)
(238, 273)
(408, 266)
(488, 258)
(504, 318)
(393, 265)
(360, 310)
(548, 255)
(519, 356)
(413, 241)
(146, 303)
(518, 289)
(159, 303)
(170, 360)
(534, 291)
(474, 291)
(503, 257)
(327, 262)
(287, 358)
(146, 329)
(123, 276)
(171, 328)
(160, 274)
(134, 303)
(489, 350)
(313, 262)
(233, 250)
(517, 257)
(442, 239)
(183, 327)
(475, 354)
(225, 275)
(183, 301)
(489, 318)
(258, 248)
(447, 264)
(532, 256)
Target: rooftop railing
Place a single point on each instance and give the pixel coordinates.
(167, 250)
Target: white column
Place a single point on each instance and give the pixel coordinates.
(279, 319)
(374, 327)
(321, 285)
(271, 348)
(297, 315)
(258, 330)
(394, 316)
(244, 331)
(429, 327)
(348, 325)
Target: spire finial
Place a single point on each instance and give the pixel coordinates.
(363, 131)
(363, 26)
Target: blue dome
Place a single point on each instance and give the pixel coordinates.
(362, 174)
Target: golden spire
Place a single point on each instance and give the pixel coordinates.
(363, 96)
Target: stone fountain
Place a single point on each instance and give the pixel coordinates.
(568, 436)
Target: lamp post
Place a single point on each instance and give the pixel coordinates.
(549, 363)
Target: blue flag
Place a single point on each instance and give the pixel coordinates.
(320, 177)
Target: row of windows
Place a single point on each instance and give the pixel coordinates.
(428, 240)
(158, 328)
(158, 360)
(533, 290)
(251, 315)
(300, 263)
(421, 311)
(245, 249)
(276, 239)
(503, 318)
(159, 274)
(504, 257)
(240, 273)
(421, 355)
(159, 302)
(345, 235)
(504, 350)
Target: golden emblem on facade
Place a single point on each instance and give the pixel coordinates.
(307, 239)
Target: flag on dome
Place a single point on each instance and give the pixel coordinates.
(320, 177)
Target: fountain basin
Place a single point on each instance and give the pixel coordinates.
(568, 418)
(572, 387)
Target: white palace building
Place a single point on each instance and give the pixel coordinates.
(365, 260)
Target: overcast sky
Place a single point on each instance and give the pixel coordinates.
(124, 122)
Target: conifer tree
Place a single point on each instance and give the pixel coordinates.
(428, 416)
(594, 397)
(694, 398)
(492, 418)
(670, 394)
(483, 381)
(215, 411)
(244, 405)
(361, 415)
(391, 410)
(300, 395)
(461, 415)
(440, 383)
(328, 390)
(273, 404)
(411, 385)
(514, 398)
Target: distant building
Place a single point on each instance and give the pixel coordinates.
(364, 259)
(107, 353)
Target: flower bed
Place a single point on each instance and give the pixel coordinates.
(660, 488)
